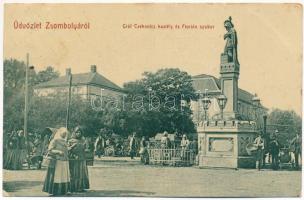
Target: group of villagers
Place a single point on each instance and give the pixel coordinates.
(67, 170)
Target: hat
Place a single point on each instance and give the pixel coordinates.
(228, 22)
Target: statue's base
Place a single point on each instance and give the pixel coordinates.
(226, 162)
(223, 144)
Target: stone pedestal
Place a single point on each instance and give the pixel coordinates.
(223, 144)
(229, 85)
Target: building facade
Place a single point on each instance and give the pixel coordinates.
(84, 85)
(207, 85)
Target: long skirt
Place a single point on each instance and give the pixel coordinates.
(12, 159)
(57, 181)
(23, 155)
(144, 155)
(79, 175)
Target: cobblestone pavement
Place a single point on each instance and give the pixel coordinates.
(123, 177)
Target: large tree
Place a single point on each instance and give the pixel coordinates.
(160, 102)
(287, 122)
(14, 76)
(46, 75)
(14, 82)
(51, 111)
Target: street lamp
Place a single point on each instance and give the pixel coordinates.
(222, 100)
(206, 103)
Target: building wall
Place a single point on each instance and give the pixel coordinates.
(98, 91)
(76, 90)
(84, 91)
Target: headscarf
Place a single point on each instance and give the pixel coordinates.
(59, 132)
(80, 129)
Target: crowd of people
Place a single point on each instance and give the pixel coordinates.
(165, 146)
(17, 152)
(138, 146)
(66, 154)
(273, 150)
(109, 144)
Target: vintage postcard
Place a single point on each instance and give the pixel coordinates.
(152, 100)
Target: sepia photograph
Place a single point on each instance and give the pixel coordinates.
(152, 100)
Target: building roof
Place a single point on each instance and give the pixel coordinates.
(203, 81)
(245, 96)
(213, 84)
(91, 78)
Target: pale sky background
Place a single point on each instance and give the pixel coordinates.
(270, 42)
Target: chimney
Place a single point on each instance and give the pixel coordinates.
(68, 72)
(93, 68)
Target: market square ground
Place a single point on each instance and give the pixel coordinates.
(123, 177)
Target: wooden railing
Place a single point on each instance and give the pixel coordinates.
(172, 157)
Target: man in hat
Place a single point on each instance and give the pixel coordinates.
(296, 148)
(274, 150)
(184, 145)
(165, 145)
(259, 143)
(165, 141)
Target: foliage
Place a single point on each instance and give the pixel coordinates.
(49, 111)
(160, 102)
(287, 122)
(14, 82)
(46, 75)
(52, 112)
(14, 76)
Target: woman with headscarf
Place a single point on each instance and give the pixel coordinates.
(57, 181)
(12, 159)
(22, 148)
(77, 162)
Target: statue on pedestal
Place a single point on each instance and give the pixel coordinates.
(230, 50)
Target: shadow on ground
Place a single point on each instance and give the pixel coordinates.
(14, 186)
(113, 193)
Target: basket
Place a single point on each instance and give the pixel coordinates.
(251, 149)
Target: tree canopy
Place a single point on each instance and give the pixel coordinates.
(287, 122)
(14, 81)
(46, 75)
(160, 102)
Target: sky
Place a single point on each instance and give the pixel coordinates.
(269, 42)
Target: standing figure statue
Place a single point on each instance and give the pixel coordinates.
(231, 44)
